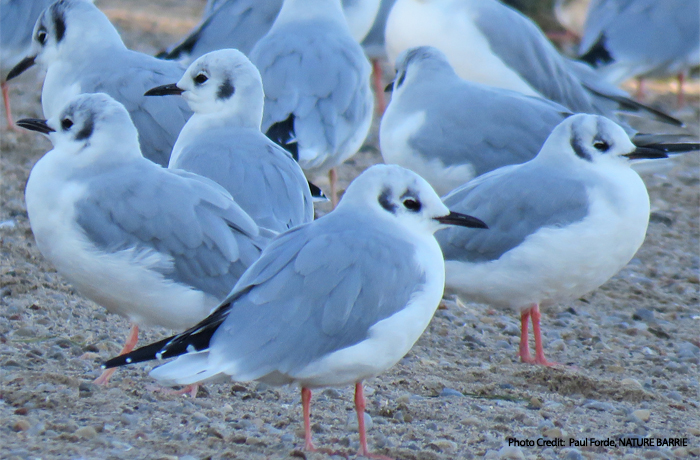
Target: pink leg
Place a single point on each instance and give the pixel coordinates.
(333, 178)
(681, 94)
(360, 409)
(639, 95)
(524, 345)
(306, 406)
(8, 111)
(539, 349)
(128, 346)
(188, 390)
(378, 87)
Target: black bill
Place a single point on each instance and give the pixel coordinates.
(23, 65)
(35, 124)
(165, 90)
(463, 220)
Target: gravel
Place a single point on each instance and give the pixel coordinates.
(630, 350)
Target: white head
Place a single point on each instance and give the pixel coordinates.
(91, 128)
(402, 196)
(224, 83)
(417, 64)
(593, 140)
(64, 30)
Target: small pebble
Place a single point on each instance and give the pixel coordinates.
(631, 383)
(86, 432)
(511, 452)
(554, 433)
(21, 425)
(642, 414)
(351, 423)
(599, 406)
(535, 403)
(450, 393)
(571, 454)
(642, 314)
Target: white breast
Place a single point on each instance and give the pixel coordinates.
(554, 264)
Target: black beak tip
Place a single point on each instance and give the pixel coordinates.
(35, 124)
(165, 90)
(23, 65)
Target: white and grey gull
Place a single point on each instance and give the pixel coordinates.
(156, 246)
(329, 303)
(222, 141)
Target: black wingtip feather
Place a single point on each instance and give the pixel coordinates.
(629, 104)
(282, 134)
(598, 54)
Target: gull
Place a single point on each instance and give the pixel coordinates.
(450, 130)
(561, 224)
(82, 52)
(329, 303)
(16, 26)
(490, 43)
(222, 141)
(642, 38)
(240, 24)
(318, 101)
(156, 246)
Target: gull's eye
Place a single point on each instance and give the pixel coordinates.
(41, 36)
(412, 205)
(601, 146)
(200, 79)
(66, 123)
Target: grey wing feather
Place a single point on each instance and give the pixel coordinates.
(320, 76)
(318, 288)
(238, 24)
(262, 177)
(505, 29)
(487, 127)
(373, 43)
(210, 240)
(515, 202)
(126, 78)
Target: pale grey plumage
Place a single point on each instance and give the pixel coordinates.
(514, 207)
(627, 38)
(315, 74)
(83, 53)
(16, 26)
(344, 280)
(373, 43)
(262, 177)
(182, 215)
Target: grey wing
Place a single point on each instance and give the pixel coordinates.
(126, 78)
(238, 24)
(319, 76)
(486, 127)
(524, 48)
(207, 239)
(515, 202)
(261, 176)
(317, 289)
(16, 25)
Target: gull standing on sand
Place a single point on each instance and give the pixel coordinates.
(329, 303)
(490, 43)
(240, 24)
(16, 26)
(560, 225)
(222, 141)
(157, 246)
(318, 101)
(450, 130)
(82, 52)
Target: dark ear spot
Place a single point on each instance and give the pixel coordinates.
(385, 201)
(579, 150)
(226, 90)
(86, 131)
(59, 24)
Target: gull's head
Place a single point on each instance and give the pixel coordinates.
(222, 82)
(593, 140)
(90, 128)
(411, 64)
(63, 30)
(393, 193)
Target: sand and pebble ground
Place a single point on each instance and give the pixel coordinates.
(631, 349)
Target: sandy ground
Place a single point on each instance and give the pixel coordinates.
(631, 348)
